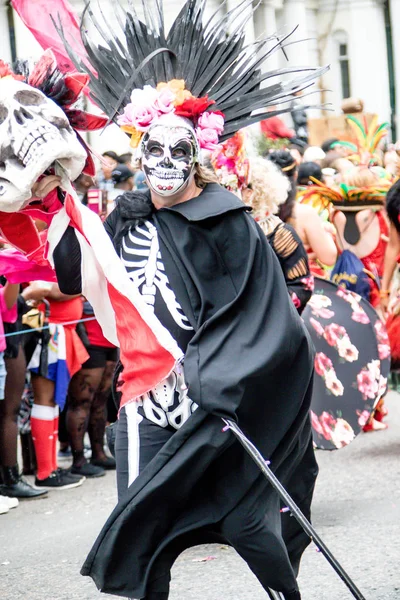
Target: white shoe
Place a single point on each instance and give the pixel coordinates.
(12, 502)
(4, 507)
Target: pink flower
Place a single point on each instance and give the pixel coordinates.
(360, 316)
(322, 363)
(328, 423)
(363, 417)
(316, 424)
(333, 333)
(384, 351)
(381, 332)
(139, 117)
(164, 103)
(211, 120)
(295, 300)
(367, 384)
(143, 117)
(317, 326)
(308, 283)
(345, 294)
(126, 117)
(323, 313)
(208, 139)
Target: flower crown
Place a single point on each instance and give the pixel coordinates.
(149, 103)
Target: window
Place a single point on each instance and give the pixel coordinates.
(341, 49)
(344, 70)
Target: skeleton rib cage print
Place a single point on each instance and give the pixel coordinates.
(141, 256)
(168, 403)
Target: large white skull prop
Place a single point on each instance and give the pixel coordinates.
(34, 133)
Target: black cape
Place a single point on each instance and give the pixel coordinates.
(250, 359)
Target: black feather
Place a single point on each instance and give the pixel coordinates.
(210, 55)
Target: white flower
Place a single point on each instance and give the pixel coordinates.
(144, 97)
(319, 301)
(346, 349)
(343, 433)
(333, 384)
(374, 367)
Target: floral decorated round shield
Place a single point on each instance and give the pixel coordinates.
(352, 363)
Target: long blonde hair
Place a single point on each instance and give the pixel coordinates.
(204, 175)
(270, 187)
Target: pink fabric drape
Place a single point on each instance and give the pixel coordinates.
(17, 268)
(36, 15)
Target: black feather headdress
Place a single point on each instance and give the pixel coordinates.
(208, 56)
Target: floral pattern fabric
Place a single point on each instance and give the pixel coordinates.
(352, 363)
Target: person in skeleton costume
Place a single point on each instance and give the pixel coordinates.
(198, 303)
(262, 186)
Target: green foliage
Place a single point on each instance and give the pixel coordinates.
(265, 145)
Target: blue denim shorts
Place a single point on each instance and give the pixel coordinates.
(3, 374)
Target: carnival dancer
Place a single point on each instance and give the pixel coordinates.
(13, 483)
(88, 393)
(317, 241)
(58, 355)
(262, 186)
(179, 243)
(357, 211)
(202, 282)
(390, 293)
(361, 223)
(267, 188)
(367, 236)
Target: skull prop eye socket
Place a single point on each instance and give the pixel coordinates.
(29, 98)
(3, 113)
(35, 133)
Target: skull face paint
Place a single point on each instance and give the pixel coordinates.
(34, 133)
(169, 157)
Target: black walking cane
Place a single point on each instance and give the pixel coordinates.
(294, 509)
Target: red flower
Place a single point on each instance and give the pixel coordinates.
(328, 423)
(333, 333)
(193, 107)
(322, 363)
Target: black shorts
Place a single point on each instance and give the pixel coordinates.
(99, 356)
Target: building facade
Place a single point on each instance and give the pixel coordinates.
(359, 39)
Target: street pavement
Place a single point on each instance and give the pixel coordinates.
(356, 512)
